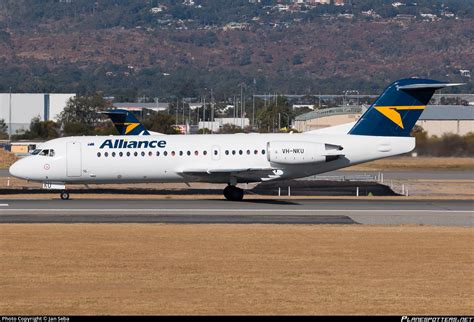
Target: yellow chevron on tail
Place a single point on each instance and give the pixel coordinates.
(130, 127)
(391, 112)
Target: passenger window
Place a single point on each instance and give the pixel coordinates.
(106, 154)
(121, 154)
(143, 154)
(165, 153)
(204, 152)
(263, 151)
(157, 153)
(173, 153)
(233, 152)
(226, 152)
(196, 153)
(248, 152)
(180, 153)
(128, 154)
(215, 152)
(136, 153)
(113, 154)
(255, 152)
(240, 152)
(150, 153)
(98, 154)
(188, 153)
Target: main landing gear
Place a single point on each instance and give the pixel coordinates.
(64, 195)
(233, 193)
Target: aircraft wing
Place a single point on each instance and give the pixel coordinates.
(223, 175)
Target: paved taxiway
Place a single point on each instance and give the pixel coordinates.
(391, 174)
(310, 211)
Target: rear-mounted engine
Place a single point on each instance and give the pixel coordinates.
(293, 152)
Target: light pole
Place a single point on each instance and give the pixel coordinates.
(212, 112)
(242, 104)
(176, 118)
(253, 103)
(204, 109)
(10, 116)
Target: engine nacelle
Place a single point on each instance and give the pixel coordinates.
(294, 152)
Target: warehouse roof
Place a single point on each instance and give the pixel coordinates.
(448, 112)
(432, 112)
(340, 110)
(140, 106)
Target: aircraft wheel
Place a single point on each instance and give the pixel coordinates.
(233, 193)
(64, 195)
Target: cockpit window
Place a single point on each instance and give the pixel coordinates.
(36, 151)
(46, 153)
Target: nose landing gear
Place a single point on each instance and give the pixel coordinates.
(233, 193)
(64, 195)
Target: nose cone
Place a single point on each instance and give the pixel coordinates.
(17, 170)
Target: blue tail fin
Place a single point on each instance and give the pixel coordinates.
(126, 123)
(396, 111)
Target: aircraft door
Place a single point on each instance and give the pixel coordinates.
(74, 159)
(216, 153)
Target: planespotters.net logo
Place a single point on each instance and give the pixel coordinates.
(437, 319)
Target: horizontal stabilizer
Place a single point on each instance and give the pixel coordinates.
(433, 86)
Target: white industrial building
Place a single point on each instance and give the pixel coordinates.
(139, 107)
(435, 119)
(218, 123)
(24, 107)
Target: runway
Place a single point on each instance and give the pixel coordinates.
(390, 174)
(209, 211)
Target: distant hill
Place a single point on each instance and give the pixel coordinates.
(131, 48)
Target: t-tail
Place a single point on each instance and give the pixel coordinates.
(396, 111)
(126, 123)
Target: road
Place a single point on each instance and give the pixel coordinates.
(371, 212)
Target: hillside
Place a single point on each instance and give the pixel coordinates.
(325, 54)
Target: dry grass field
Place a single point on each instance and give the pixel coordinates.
(419, 163)
(235, 269)
(6, 159)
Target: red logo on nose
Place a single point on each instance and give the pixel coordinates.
(46, 166)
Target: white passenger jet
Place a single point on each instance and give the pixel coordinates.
(382, 131)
